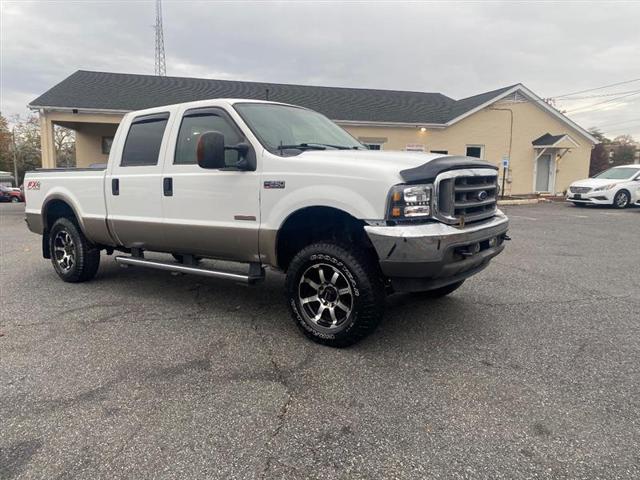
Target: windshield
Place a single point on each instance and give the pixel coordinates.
(281, 127)
(618, 173)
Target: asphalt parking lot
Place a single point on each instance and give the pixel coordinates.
(530, 370)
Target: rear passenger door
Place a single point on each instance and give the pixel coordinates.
(212, 213)
(133, 187)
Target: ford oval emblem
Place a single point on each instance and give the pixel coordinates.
(482, 195)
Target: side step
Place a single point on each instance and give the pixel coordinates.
(256, 272)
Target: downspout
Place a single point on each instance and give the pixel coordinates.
(504, 173)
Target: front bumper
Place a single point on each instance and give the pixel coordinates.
(602, 197)
(428, 256)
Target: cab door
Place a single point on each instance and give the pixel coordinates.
(133, 184)
(214, 213)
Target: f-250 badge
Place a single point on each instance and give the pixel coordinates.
(269, 184)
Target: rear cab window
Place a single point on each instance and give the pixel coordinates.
(144, 138)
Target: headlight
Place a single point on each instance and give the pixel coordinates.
(409, 201)
(605, 187)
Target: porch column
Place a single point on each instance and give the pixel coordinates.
(47, 148)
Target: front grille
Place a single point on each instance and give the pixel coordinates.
(580, 189)
(470, 194)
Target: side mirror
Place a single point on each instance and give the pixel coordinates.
(210, 150)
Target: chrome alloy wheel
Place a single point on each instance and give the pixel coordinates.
(64, 250)
(325, 295)
(621, 199)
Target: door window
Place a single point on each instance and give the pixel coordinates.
(142, 146)
(195, 124)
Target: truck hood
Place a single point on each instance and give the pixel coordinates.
(402, 166)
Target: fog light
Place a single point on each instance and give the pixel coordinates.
(493, 242)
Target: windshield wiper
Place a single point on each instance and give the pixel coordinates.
(303, 146)
(317, 146)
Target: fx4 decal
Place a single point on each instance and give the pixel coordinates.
(33, 185)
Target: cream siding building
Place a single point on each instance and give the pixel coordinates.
(545, 150)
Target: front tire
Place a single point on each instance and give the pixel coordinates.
(74, 259)
(335, 295)
(622, 199)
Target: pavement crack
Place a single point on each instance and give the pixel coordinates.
(281, 416)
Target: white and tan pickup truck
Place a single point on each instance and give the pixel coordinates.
(273, 185)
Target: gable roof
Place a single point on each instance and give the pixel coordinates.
(547, 140)
(124, 92)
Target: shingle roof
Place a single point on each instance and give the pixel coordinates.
(547, 139)
(118, 91)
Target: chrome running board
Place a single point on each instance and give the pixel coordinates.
(256, 272)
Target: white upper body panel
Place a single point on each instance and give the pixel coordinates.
(355, 181)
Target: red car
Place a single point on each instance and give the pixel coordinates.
(9, 194)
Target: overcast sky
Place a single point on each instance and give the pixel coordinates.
(456, 48)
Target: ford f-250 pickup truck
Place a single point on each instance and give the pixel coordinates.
(275, 185)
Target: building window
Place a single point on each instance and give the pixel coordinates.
(441, 152)
(475, 151)
(106, 145)
(373, 146)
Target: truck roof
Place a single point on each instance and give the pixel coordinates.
(204, 103)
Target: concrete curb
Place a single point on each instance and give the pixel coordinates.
(524, 201)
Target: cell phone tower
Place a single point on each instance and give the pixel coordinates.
(161, 65)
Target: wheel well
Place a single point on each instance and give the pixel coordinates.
(56, 209)
(313, 224)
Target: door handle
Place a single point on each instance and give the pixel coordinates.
(115, 186)
(167, 186)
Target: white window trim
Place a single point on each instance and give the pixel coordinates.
(473, 145)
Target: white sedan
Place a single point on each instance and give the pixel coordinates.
(618, 186)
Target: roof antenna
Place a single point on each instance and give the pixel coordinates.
(266, 93)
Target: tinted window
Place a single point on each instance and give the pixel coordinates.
(142, 146)
(195, 125)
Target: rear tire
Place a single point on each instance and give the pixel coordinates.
(15, 200)
(622, 199)
(440, 292)
(335, 294)
(73, 257)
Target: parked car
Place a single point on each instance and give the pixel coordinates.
(12, 194)
(17, 195)
(268, 184)
(615, 187)
(5, 196)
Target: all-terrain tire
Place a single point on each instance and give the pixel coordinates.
(73, 257)
(349, 291)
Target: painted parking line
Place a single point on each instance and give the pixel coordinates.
(523, 217)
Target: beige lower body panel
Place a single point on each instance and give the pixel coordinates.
(228, 243)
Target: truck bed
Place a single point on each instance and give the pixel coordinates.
(81, 188)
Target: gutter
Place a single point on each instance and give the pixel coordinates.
(77, 110)
(360, 123)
